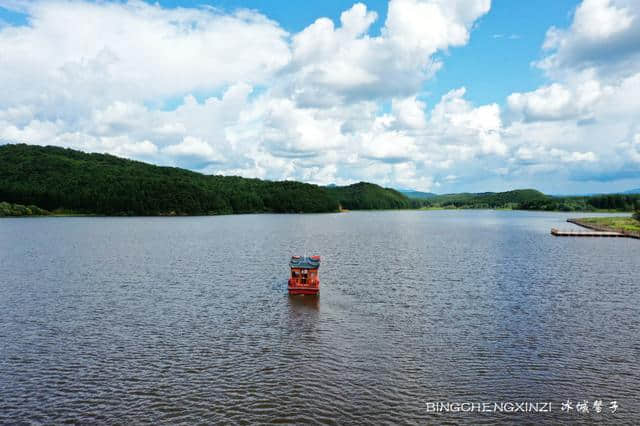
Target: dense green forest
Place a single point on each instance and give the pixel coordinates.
(491, 200)
(367, 196)
(530, 199)
(7, 209)
(59, 179)
(63, 180)
(55, 178)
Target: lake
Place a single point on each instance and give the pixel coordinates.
(187, 319)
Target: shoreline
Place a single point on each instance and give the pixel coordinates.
(603, 228)
(425, 209)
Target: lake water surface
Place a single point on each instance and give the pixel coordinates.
(167, 320)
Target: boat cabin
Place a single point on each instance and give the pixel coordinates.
(304, 275)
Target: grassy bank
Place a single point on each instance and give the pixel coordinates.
(16, 210)
(517, 208)
(625, 225)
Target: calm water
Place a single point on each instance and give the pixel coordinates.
(166, 320)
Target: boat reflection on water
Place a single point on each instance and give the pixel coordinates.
(304, 315)
(302, 302)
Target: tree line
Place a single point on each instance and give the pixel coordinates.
(529, 199)
(60, 179)
(35, 179)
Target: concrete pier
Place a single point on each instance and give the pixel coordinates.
(574, 233)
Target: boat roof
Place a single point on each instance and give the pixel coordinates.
(305, 262)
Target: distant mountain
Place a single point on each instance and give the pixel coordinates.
(597, 194)
(530, 199)
(417, 194)
(511, 199)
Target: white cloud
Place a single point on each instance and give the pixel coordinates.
(79, 52)
(600, 19)
(388, 146)
(458, 122)
(35, 131)
(409, 112)
(582, 123)
(557, 101)
(420, 26)
(575, 157)
(603, 36)
(244, 96)
(233, 93)
(124, 147)
(332, 64)
(631, 149)
(192, 147)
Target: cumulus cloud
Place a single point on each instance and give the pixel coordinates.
(133, 149)
(542, 155)
(459, 122)
(631, 149)
(586, 116)
(426, 26)
(604, 36)
(80, 52)
(330, 64)
(409, 112)
(233, 93)
(557, 101)
(195, 148)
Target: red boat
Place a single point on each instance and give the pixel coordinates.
(304, 275)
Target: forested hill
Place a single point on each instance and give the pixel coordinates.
(33, 178)
(418, 195)
(506, 199)
(367, 196)
(530, 199)
(54, 178)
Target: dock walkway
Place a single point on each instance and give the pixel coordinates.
(574, 233)
(592, 231)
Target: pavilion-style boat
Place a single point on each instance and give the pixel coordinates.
(304, 275)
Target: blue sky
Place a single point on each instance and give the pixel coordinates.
(445, 96)
(509, 36)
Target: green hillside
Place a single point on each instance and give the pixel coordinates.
(417, 194)
(64, 180)
(59, 179)
(490, 200)
(367, 196)
(530, 199)
(55, 178)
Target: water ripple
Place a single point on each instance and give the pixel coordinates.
(186, 320)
